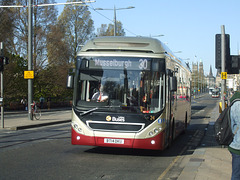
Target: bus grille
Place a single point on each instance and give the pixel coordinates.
(115, 126)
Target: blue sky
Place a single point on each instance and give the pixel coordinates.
(188, 26)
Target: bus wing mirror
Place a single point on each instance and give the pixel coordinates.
(70, 81)
(70, 78)
(173, 83)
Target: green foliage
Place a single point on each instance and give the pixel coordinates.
(15, 86)
(109, 31)
(78, 27)
(55, 46)
(51, 82)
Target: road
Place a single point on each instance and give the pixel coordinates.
(47, 153)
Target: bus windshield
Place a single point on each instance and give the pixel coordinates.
(123, 84)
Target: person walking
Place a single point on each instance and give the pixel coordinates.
(24, 103)
(234, 147)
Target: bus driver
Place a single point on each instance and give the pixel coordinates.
(100, 95)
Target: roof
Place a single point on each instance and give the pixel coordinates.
(122, 43)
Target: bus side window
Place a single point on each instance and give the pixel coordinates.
(173, 83)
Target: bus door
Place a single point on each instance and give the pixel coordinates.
(170, 105)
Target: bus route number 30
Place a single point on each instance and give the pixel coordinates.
(143, 64)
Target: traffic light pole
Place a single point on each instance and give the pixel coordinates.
(30, 61)
(223, 60)
(2, 110)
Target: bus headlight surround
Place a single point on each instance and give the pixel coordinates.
(77, 128)
(155, 131)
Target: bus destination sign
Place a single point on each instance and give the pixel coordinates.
(120, 63)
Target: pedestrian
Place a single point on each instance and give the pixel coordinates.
(234, 147)
(41, 102)
(48, 102)
(24, 103)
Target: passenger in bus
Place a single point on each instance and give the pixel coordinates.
(100, 95)
(132, 99)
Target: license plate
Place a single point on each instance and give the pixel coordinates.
(114, 141)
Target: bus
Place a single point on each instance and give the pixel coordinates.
(129, 92)
(211, 90)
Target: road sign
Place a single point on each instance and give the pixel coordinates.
(28, 74)
(223, 75)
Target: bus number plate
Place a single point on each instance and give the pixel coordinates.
(114, 141)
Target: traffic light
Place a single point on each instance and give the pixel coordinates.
(218, 52)
(1, 63)
(235, 65)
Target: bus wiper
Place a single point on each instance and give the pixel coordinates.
(89, 111)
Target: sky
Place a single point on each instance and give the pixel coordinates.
(188, 26)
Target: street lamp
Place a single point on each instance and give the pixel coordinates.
(115, 21)
(159, 35)
(178, 52)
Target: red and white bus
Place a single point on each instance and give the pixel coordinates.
(129, 92)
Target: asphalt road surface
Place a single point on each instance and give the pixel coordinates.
(47, 153)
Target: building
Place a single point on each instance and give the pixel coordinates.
(232, 82)
(211, 80)
(198, 78)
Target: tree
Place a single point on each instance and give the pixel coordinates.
(78, 27)
(15, 86)
(58, 51)
(55, 46)
(104, 31)
(43, 18)
(7, 16)
(52, 83)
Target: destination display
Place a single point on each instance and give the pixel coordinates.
(120, 63)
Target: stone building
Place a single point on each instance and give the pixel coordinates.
(211, 80)
(198, 78)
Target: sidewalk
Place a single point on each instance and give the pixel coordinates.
(209, 161)
(19, 120)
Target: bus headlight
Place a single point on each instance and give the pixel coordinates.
(77, 128)
(156, 130)
(150, 133)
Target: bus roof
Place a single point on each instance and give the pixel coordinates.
(145, 45)
(122, 43)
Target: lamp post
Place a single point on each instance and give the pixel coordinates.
(114, 18)
(30, 59)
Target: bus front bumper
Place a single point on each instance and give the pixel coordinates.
(154, 143)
